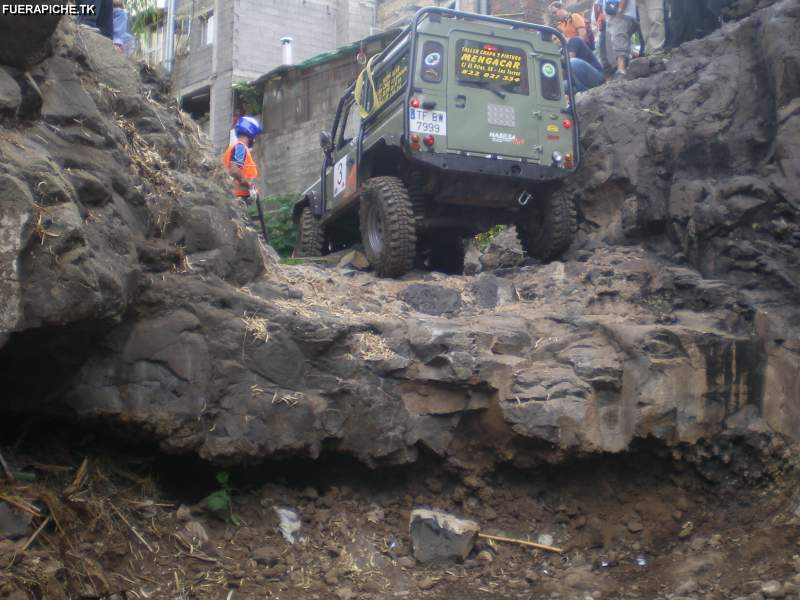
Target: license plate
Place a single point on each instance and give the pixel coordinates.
(427, 121)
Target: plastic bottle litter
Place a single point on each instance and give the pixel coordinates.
(289, 523)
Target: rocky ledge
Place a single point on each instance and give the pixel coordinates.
(134, 295)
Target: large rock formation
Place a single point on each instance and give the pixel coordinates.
(133, 294)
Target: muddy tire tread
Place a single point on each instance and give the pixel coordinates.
(399, 225)
(553, 236)
(311, 239)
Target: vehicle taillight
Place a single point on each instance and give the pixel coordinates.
(567, 124)
(428, 139)
(490, 48)
(415, 103)
(414, 139)
(568, 160)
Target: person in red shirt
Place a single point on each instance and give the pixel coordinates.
(571, 24)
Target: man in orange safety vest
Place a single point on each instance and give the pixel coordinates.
(238, 161)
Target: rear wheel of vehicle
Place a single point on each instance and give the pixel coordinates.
(388, 227)
(446, 255)
(547, 227)
(310, 237)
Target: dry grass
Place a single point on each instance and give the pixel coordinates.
(162, 197)
(370, 346)
(40, 228)
(88, 505)
(257, 327)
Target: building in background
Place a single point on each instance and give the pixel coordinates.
(298, 102)
(219, 43)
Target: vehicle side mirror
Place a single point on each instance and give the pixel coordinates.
(325, 139)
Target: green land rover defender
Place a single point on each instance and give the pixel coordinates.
(463, 122)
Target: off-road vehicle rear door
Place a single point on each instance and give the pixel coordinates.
(495, 103)
(489, 96)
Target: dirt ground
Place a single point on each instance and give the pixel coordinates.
(126, 523)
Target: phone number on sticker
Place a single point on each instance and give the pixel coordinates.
(427, 121)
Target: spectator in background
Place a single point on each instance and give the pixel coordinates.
(599, 25)
(123, 40)
(691, 19)
(651, 19)
(102, 18)
(620, 17)
(587, 72)
(570, 24)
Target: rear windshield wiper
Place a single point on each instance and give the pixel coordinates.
(487, 85)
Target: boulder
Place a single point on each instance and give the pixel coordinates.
(638, 67)
(353, 259)
(26, 38)
(504, 251)
(472, 263)
(10, 94)
(64, 99)
(14, 523)
(490, 291)
(440, 537)
(431, 299)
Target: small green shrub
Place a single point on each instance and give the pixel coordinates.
(482, 240)
(250, 97)
(278, 218)
(219, 503)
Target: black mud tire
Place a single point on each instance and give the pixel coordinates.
(388, 227)
(310, 238)
(447, 254)
(547, 227)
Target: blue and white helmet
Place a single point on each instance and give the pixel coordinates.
(248, 126)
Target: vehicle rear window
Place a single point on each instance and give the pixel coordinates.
(550, 82)
(432, 62)
(505, 67)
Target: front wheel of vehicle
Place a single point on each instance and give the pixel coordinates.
(388, 226)
(310, 238)
(547, 227)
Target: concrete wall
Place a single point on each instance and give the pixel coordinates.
(297, 105)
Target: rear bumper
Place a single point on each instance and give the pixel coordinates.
(495, 167)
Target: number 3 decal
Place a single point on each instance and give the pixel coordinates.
(339, 176)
